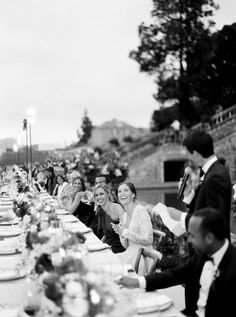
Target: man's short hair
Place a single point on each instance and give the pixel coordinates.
(101, 176)
(213, 221)
(201, 142)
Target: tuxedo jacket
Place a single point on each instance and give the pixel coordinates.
(215, 191)
(221, 298)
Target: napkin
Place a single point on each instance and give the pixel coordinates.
(10, 233)
(61, 212)
(173, 225)
(8, 249)
(152, 302)
(9, 312)
(10, 275)
(97, 247)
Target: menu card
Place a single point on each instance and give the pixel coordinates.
(173, 225)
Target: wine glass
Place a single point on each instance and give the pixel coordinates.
(32, 298)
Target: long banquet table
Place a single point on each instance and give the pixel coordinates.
(12, 291)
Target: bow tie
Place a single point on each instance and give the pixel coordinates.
(201, 172)
(209, 258)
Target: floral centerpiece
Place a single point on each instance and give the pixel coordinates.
(48, 243)
(80, 293)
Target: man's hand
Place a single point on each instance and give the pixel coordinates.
(128, 282)
(174, 213)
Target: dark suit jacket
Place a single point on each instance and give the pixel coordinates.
(215, 191)
(221, 298)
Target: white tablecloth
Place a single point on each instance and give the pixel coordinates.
(12, 292)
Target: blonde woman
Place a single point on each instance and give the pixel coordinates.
(108, 213)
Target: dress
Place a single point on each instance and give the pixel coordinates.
(110, 236)
(84, 212)
(139, 234)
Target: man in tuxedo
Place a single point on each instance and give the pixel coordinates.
(209, 276)
(215, 189)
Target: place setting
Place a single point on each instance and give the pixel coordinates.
(10, 232)
(9, 249)
(10, 274)
(12, 222)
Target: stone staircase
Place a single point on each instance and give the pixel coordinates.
(144, 156)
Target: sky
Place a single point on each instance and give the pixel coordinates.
(61, 57)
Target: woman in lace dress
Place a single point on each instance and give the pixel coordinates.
(135, 230)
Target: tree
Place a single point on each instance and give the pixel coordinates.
(166, 47)
(212, 72)
(224, 65)
(85, 131)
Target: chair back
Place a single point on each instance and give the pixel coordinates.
(146, 252)
(157, 238)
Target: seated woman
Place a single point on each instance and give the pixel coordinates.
(109, 213)
(80, 206)
(61, 183)
(135, 230)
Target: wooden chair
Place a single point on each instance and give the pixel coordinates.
(148, 253)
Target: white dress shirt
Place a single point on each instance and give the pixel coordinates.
(205, 168)
(209, 273)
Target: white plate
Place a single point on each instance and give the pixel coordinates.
(97, 247)
(80, 230)
(10, 233)
(146, 303)
(8, 250)
(7, 223)
(61, 212)
(10, 275)
(9, 312)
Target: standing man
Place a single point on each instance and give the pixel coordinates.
(215, 189)
(209, 276)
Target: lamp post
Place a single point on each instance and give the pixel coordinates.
(31, 118)
(18, 150)
(25, 128)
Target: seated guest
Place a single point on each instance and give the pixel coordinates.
(68, 190)
(209, 276)
(109, 213)
(61, 183)
(104, 178)
(80, 205)
(50, 180)
(135, 230)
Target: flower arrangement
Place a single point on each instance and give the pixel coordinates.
(79, 293)
(48, 243)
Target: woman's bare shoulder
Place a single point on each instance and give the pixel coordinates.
(118, 209)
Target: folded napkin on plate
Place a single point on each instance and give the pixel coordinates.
(61, 212)
(97, 247)
(10, 274)
(8, 249)
(68, 218)
(78, 229)
(152, 302)
(10, 233)
(9, 223)
(9, 312)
